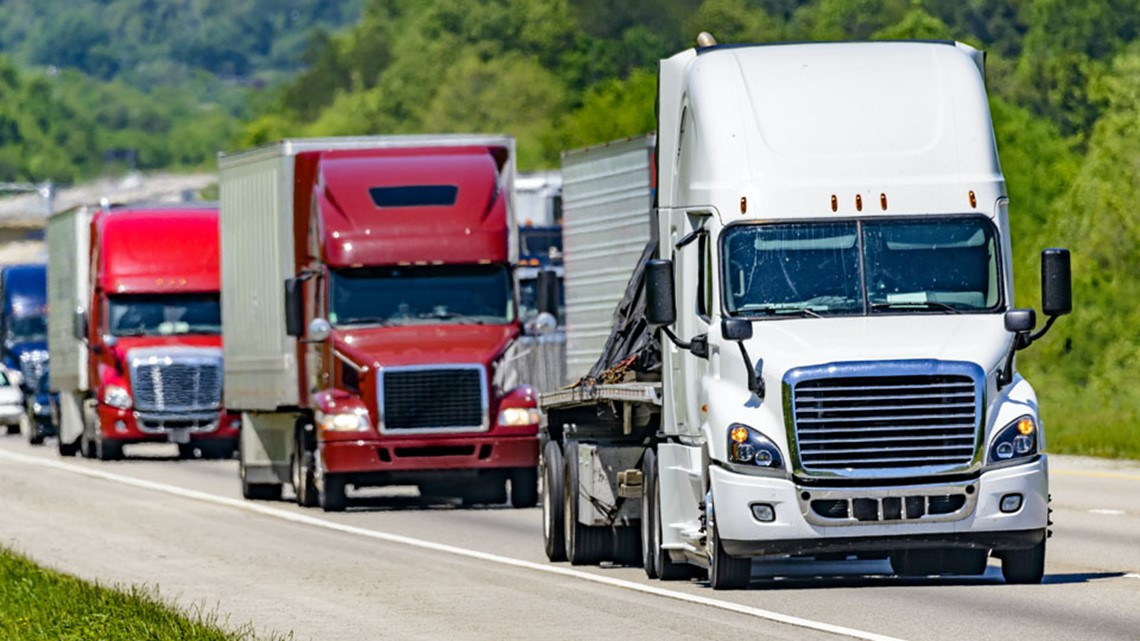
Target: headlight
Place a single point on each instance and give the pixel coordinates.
(116, 396)
(343, 422)
(1014, 441)
(518, 416)
(39, 409)
(751, 452)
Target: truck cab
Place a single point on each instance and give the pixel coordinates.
(23, 322)
(834, 297)
(147, 333)
(401, 316)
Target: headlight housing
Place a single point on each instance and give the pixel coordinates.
(518, 416)
(751, 452)
(1015, 441)
(354, 421)
(117, 396)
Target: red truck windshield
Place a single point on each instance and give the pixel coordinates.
(478, 294)
(164, 315)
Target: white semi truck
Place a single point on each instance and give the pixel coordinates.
(815, 353)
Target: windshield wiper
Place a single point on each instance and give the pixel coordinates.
(446, 316)
(922, 305)
(770, 310)
(367, 320)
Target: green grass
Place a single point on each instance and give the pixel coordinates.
(41, 605)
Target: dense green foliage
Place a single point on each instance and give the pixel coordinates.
(106, 84)
(40, 605)
(1064, 76)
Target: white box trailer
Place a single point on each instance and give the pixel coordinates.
(607, 198)
(68, 240)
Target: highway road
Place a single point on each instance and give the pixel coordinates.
(394, 567)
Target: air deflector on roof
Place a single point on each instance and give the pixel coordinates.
(414, 196)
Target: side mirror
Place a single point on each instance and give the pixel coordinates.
(546, 292)
(1056, 282)
(736, 329)
(543, 324)
(319, 330)
(1020, 320)
(660, 304)
(79, 325)
(294, 307)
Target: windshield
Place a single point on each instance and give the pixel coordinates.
(164, 315)
(402, 295)
(948, 265)
(540, 242)
(27, 329)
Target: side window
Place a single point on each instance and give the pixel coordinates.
(704, 278)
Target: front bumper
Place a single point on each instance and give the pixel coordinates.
(797, 529)
(10, 414)
(130, 426)
(387, 455)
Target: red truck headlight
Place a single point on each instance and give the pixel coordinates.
(356, 421)
(518, 416)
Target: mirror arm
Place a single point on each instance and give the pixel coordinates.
(676, 341)
(1031, 338)
(755, 383)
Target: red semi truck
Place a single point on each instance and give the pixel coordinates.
(370, 319)
(134, 329)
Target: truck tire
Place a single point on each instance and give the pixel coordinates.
(524, 487)
(257, 491)
(585, 545)
(725, 572)
(87, 438)
(302, 473)
(331, 493)
(13, 429)
(67, 449)
(553, 514)
(36, 432)
(108, 449)
(657, 563)
(1023, 567)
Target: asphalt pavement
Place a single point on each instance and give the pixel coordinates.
(393, 566)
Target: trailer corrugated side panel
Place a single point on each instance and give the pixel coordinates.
(68, 240)
(606, 203)
(256, 192)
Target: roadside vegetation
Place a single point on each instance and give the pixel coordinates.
(41, 605)
(1064, 80)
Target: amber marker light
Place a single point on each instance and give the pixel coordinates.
(883, 201)
(834, 203)
(858, 202)
(973, 199)
(1025, 426)
(739, 435)
(743, 205)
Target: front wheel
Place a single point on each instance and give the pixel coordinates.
(36, 431)
(725, 572)
(331, 494)
(108, 449)
(303, 485)
(553, 515)
(1024, 566)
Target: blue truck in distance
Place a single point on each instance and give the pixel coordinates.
(23, 340)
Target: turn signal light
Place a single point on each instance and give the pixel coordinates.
(739, 434)
(1025, 426)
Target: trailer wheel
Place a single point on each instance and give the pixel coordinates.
(725, 572)
(13, 429)
(553, 513)
(657, 563)
(524, 487)
(67, 449)
(302, 475)
(331, 493)
(256, 491)
(1024, 566)
(585, 545)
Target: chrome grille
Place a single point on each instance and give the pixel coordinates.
(177, 381)
(893, 422)
(33, 367)
(446, 398)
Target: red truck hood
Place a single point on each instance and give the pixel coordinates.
(428, 344)
(127, 343)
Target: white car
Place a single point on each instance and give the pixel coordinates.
(11, 402)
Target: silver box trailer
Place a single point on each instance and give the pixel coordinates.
(607, 197)
(68, 240)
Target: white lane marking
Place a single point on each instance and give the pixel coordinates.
(1106, 511)
(305, 519)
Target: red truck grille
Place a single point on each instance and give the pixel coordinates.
(432, 399)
